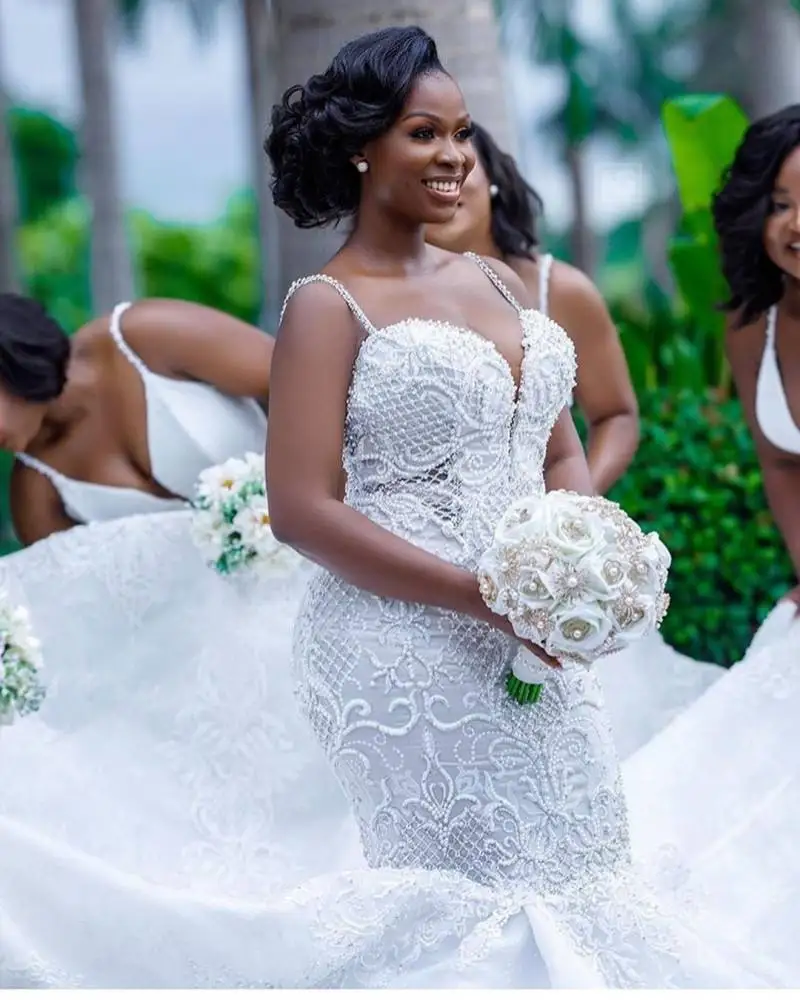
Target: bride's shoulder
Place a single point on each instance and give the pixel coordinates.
(319, 306)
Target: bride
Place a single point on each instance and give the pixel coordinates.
(494, 847)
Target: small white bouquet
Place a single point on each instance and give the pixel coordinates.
(21, 691)
(577, 577)
(231, 525)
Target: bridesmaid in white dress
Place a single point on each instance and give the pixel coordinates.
(121, 418)
(736, 827)
(497, 215)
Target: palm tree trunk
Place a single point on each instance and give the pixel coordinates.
(581, 237)
(9, 275)
(262, 56)
(112, 279)
(311, 31)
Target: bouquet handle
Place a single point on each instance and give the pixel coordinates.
(526, 680)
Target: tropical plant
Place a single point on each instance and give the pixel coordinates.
(703, 131)
(613, 88)
(9, 210)
(46, 158)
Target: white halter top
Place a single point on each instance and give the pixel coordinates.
(772, 408)
(190, 426)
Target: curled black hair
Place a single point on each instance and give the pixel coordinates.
(516, 207)
(34, 350)
(742, 206)
(318, 128)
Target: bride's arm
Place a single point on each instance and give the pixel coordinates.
(311, 371)
(565, 466)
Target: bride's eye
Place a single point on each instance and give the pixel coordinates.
(426, 132)
(466, 133)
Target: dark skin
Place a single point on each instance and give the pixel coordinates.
(393, 274)
(745, 349)
(604, 391)
(96, 431)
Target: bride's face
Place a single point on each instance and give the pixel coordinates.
(782, 228)
(417, 169)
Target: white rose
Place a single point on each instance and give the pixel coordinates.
(579, 632)
(603, 574)
(524, 519)
(635, 615)
(650, 564)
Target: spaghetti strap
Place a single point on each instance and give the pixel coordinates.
(545, 265)
(39, 466)
(354, 307)
(495, 279)
(115, 329)
(772, 322)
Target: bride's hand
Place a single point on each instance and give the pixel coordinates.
(538, 652)
(504, 625)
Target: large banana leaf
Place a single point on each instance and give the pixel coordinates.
(703, 132)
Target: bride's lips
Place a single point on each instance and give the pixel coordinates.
(444, 189)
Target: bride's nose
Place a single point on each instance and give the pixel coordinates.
(450, 154)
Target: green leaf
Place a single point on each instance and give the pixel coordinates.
(703, 132)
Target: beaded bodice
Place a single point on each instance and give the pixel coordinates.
(439, 437)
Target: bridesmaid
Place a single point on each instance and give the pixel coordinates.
(497, 217)
(757, 217)
(121, 418)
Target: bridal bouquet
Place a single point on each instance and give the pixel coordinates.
(576, 576)
(231, 526)
(21, 691)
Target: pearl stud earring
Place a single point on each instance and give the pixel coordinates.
(362, 166)
(494, 190)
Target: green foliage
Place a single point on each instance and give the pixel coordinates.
(45, 155)
(696, 481)
(703, 132)
(214, 264)
(664, 347)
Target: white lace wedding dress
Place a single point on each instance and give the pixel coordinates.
(168, 821)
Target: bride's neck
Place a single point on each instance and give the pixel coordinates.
(388, 243)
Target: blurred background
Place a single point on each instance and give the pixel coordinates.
(131, 165)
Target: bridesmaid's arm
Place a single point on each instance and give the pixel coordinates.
(604, 391)
(36, 508)
(191, 341)
(316, 348)
(565, 465)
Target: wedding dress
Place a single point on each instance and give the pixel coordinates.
(169, 821)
